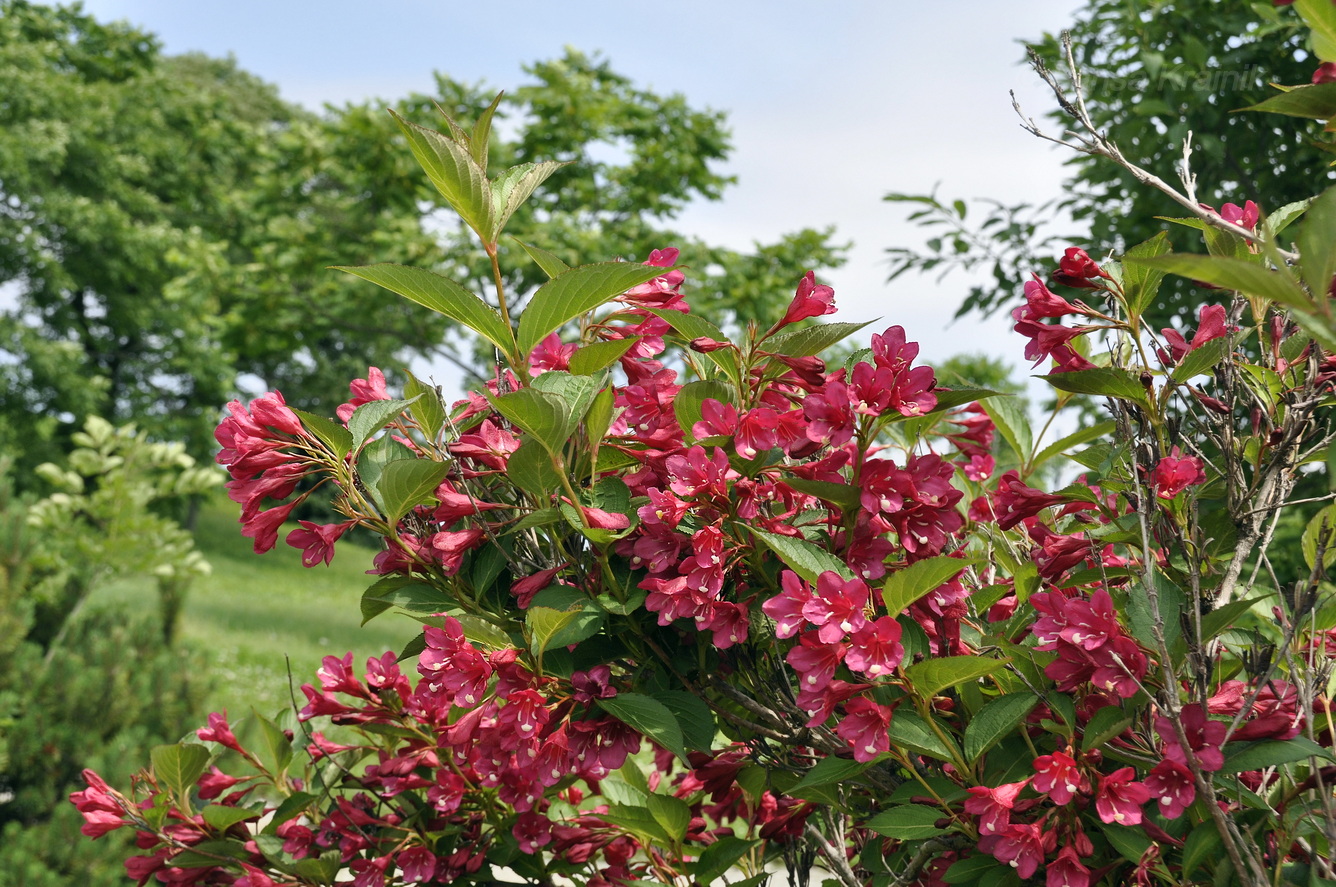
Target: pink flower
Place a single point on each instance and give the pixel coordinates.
(218, 731)
(1171, 783)
(1175, 473)
(865, 727)
(263, 526)
(993, 806)
(875, 649)
(1211, 325)
(1066, 870)
(811, 300)
(364, 391)
(1325, 73)
(837, 606)
(1057, 776)
(1119, 797)
(786, 608)
(1245, 216)
(101, 811)
(1042, 302)
(1077, 269)
(1204, 738)
(814, 660)
(418, 865)
(1020, 846)
(316, 540)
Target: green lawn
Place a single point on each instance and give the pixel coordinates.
(255, 614)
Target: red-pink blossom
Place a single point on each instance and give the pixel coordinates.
(812, 299)
(317, 540)
(865, 726)
(1175, 472)
(1119, 797)
(1066, 870)
(1057, 776)
(993, 806)
(1171, 784)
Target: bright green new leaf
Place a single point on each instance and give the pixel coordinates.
(292, 806)
(932, 676)
(577, 292)
(1281, 219)
(909, 731)
(1102, 382)
(1203, 359)
(1140, 282)
(560, 628)
(455, 172)
(1313, 102)
(672, 814)
(1317, 243)
(599, 418)
(275, 748)
(426, 405)
(178, 766)
(443, 296)
(512, 188)
(801, 556)
(531, 469)
(577, 393)
(222, 817)
(1320, 15)
(406, 483)
(996, 720)
(328, 432)
(911, 822)
(903, 587)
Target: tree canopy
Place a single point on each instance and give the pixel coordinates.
(166, 222)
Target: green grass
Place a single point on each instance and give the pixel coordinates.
(255, 614)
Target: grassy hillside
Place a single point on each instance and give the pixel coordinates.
(256, 611)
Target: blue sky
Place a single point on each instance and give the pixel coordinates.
(831, 105)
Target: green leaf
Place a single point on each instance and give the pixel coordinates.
(426, 405)
(530, 468)
(996, 720)
(672, 814)
(455, 172)
(1203, 359)
(843, 496)
(275, 749)
(1272, 753)
(1075, 439)
(969, 869)
(1140, 282)
(551, 265)
(480, 140)
(178, 766)
(1241, 275)
(690, 398)
(693, 716)
(1216, 621)
(950, 398)
(1102, 382)
(543, 517)
(828, 771)
(368, 419)
(932, 676)
(1321, 18)
(648, 717)
(406, 483)
(376, 455)
(1281, 219)
(205, 854)
(1317, 243)
(1131, 843)
(596, 356)
(1314, 102)
(576, 292)
(1106, 724)
(511, 188)
(576, 392)
(911, 822)
(560, 628)
(716, 859)
(639, 821)
(903, 587)
(443, 296)
(1008, 414)
(222, 818)
(543, 416)
(911, 732)
(801, 556)
(406, 594)
(293, 805)
(811, 341)
(481, 633)
(1140, 620)
(691, 326)
(1202, 844)
(328, 432)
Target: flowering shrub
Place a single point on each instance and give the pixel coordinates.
(684, 618)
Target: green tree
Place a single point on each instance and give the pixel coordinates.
(166, 223)
(1152, 71)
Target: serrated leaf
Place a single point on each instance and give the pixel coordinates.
(577, 393)
(672, 814)
(550, 628)
(649, 717)
(598, 356)
(222, 818)
(530, 468)
(511, 188)
(911, 732)
(996, 720)
(1241, 275)
(811, 341)
(576, 292)
(932, 676)
(426, 406)
(293, 806)
(1008, 414)
(543, 517)
(551, 265)
(1282, 218)
(408, 483)
(480, 140)
(1203, 359)
(1272, 753)
(1102, 382)
(369, 418)
(1075, 439)
(693, 717)
(541, 415)
(455, 172)
(910, 822)
(275, 748)
(328, 432)
(828, 771)
(1313, 102)
(441, 295)
(903, 587)
(178, 766)
(801, 556)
